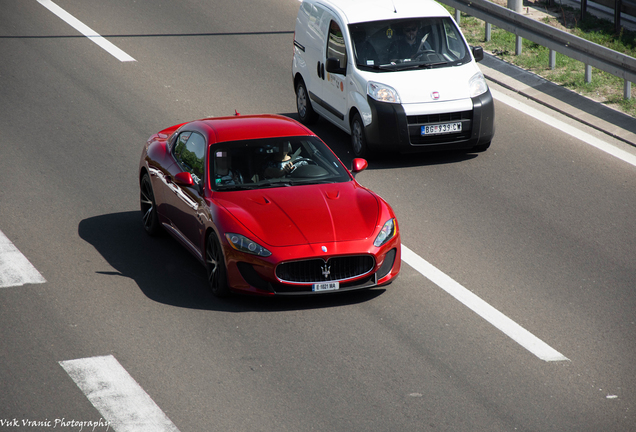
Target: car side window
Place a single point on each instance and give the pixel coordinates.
(189, 151)
(336, 45)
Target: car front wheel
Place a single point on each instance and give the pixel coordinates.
(215, 267)
(148, 206)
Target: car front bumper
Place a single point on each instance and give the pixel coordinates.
(392, 129)
(258, 276)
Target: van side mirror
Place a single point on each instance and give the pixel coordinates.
(478, 53)
(333, 66)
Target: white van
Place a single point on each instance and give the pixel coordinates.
(397, 75)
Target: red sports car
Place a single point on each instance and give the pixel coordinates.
(267, 207)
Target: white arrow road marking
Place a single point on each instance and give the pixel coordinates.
(15, 269)
(86, 31)
(517, 333)
(117, 396)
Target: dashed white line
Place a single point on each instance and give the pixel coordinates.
(117, 396)
(86, 31)
(513, 330)
(570, 130)
(15, 268)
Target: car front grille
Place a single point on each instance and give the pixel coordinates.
(319, 270)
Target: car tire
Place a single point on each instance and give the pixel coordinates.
(149, 216)
(306, 112)
(358, 138)
(215, 267)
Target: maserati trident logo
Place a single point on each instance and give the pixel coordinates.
(326, 270)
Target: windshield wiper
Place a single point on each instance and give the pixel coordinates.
(432, 65)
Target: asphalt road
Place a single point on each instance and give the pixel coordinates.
(542, 227)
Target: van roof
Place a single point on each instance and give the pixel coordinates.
(355, 11)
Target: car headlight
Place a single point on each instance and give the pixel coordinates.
(386, 233)
(382, 92)
(477, 85)
(243, 244)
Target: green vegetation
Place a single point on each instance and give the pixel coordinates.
(569, 73)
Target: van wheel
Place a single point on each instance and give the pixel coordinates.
(358, 138)
(306, 113)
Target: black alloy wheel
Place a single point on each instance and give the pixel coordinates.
(148, 206)
(215, 267)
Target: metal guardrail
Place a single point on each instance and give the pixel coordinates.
(589, 53)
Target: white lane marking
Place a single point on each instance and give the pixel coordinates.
(520, 335)
(15, 268)
(117, 396)
(570, 130)
(86, 31)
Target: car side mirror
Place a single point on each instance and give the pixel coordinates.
(358, 165)
(333, 66)
(478, 53)
(184, 179)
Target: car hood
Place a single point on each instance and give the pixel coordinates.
(288, 216)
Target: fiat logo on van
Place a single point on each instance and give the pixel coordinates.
(435, 95)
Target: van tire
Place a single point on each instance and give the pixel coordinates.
(306, 113)
(358, 138)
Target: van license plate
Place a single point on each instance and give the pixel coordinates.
(327, 286)
(443, 128)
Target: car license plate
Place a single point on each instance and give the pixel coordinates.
(326, 286)
(443, 128)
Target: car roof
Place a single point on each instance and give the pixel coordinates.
(245, 127)
(355, 11)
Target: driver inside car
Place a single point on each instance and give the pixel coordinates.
(281, 162)
(409, 46)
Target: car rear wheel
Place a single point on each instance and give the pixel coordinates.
(148, 206)
(215, 266)
(358, 138)
(306, 113)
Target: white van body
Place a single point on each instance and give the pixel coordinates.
(355, 65)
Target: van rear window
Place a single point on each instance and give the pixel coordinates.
(390, 45)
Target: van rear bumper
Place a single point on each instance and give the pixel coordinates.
(391, 129)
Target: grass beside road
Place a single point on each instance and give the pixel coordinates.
(569, 73)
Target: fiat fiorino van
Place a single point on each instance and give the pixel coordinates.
(397, 75)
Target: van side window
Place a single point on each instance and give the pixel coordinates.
(336, 45)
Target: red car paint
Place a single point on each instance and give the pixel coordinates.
(316, 211)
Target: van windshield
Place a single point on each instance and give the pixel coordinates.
(406, 44)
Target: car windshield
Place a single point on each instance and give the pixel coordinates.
(391, 45)
(273, 162)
